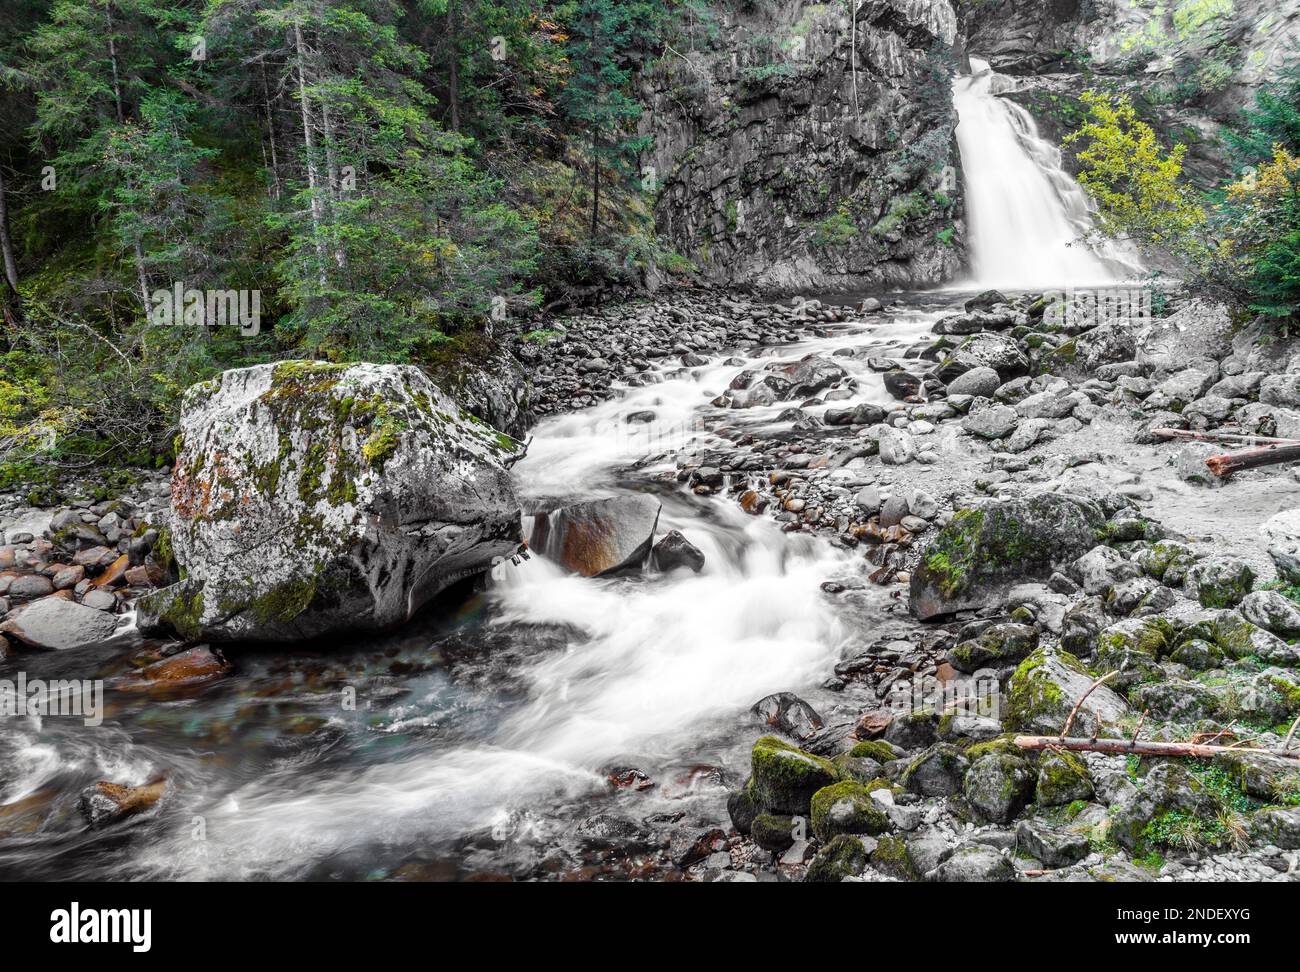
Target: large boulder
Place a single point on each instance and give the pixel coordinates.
(982, 553)
(1045, 688)
(599, 537)
(310, 498)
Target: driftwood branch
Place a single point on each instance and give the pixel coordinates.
(1268, 455)
(1222, 437)
(1065, 729)
(1127, 746)
(1286, 743)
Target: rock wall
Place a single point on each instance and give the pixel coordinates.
(798, 149)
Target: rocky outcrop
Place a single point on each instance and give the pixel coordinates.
(983, 552)
(800, 149)
(311, 498)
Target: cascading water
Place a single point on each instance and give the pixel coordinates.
(1026, 215)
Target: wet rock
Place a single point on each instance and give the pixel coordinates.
(57, 623)
(790, 714)
(1045, 688)
(105, 804)
(599, 537)
(1272, 612)
(197, 664)
(901, 384)
(846, 808)
(982, 553)
(690, 847)
(997, 351)
(311, 498)
(985, 301)
(674, 550)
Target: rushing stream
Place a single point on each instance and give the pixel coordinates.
(549, 712)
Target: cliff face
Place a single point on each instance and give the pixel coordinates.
(802, 150)
(1190, 65)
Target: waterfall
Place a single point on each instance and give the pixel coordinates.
(1025, 214)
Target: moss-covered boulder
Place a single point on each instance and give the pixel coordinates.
(998, 644)
(1198, 655)
(846, 807)
(1220, 582)
(937, 772)
(913, 728)
(998, 786)
(1133, 647)
(1167, 560)
(975, 864)
(892, 857)
(877, 749)
(1238, 638)
(773, 832)
(1178, 700)
(743, 808)
(1062, 779)
(982, 553)
(785, 777)
(1167, 789)
(1279, 826)
(860, 768)
(1045, 688)
(841, 857)
(310, 498)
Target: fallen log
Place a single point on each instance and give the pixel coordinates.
(1233, 462)
(1126, 747)
(1222, 437)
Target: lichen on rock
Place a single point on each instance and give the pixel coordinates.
(310, 498)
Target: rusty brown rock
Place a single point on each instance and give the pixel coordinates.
(108, 803)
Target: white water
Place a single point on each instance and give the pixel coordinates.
(1026, 216)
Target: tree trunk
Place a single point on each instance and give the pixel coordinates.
(12, 305)
(1126, 746)
(112, 58)
(270, 135)
(309, 142)
(1233, 462)
(453, 79)
(595, 180)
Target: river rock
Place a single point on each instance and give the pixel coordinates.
(979, 382)
(57, 623)
(599, 537)
(788, 713)
(310, 498)
(1273, 612)
(982, 553)
(674, 550)
(108, 803)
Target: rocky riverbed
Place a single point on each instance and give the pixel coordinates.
(878, 540)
